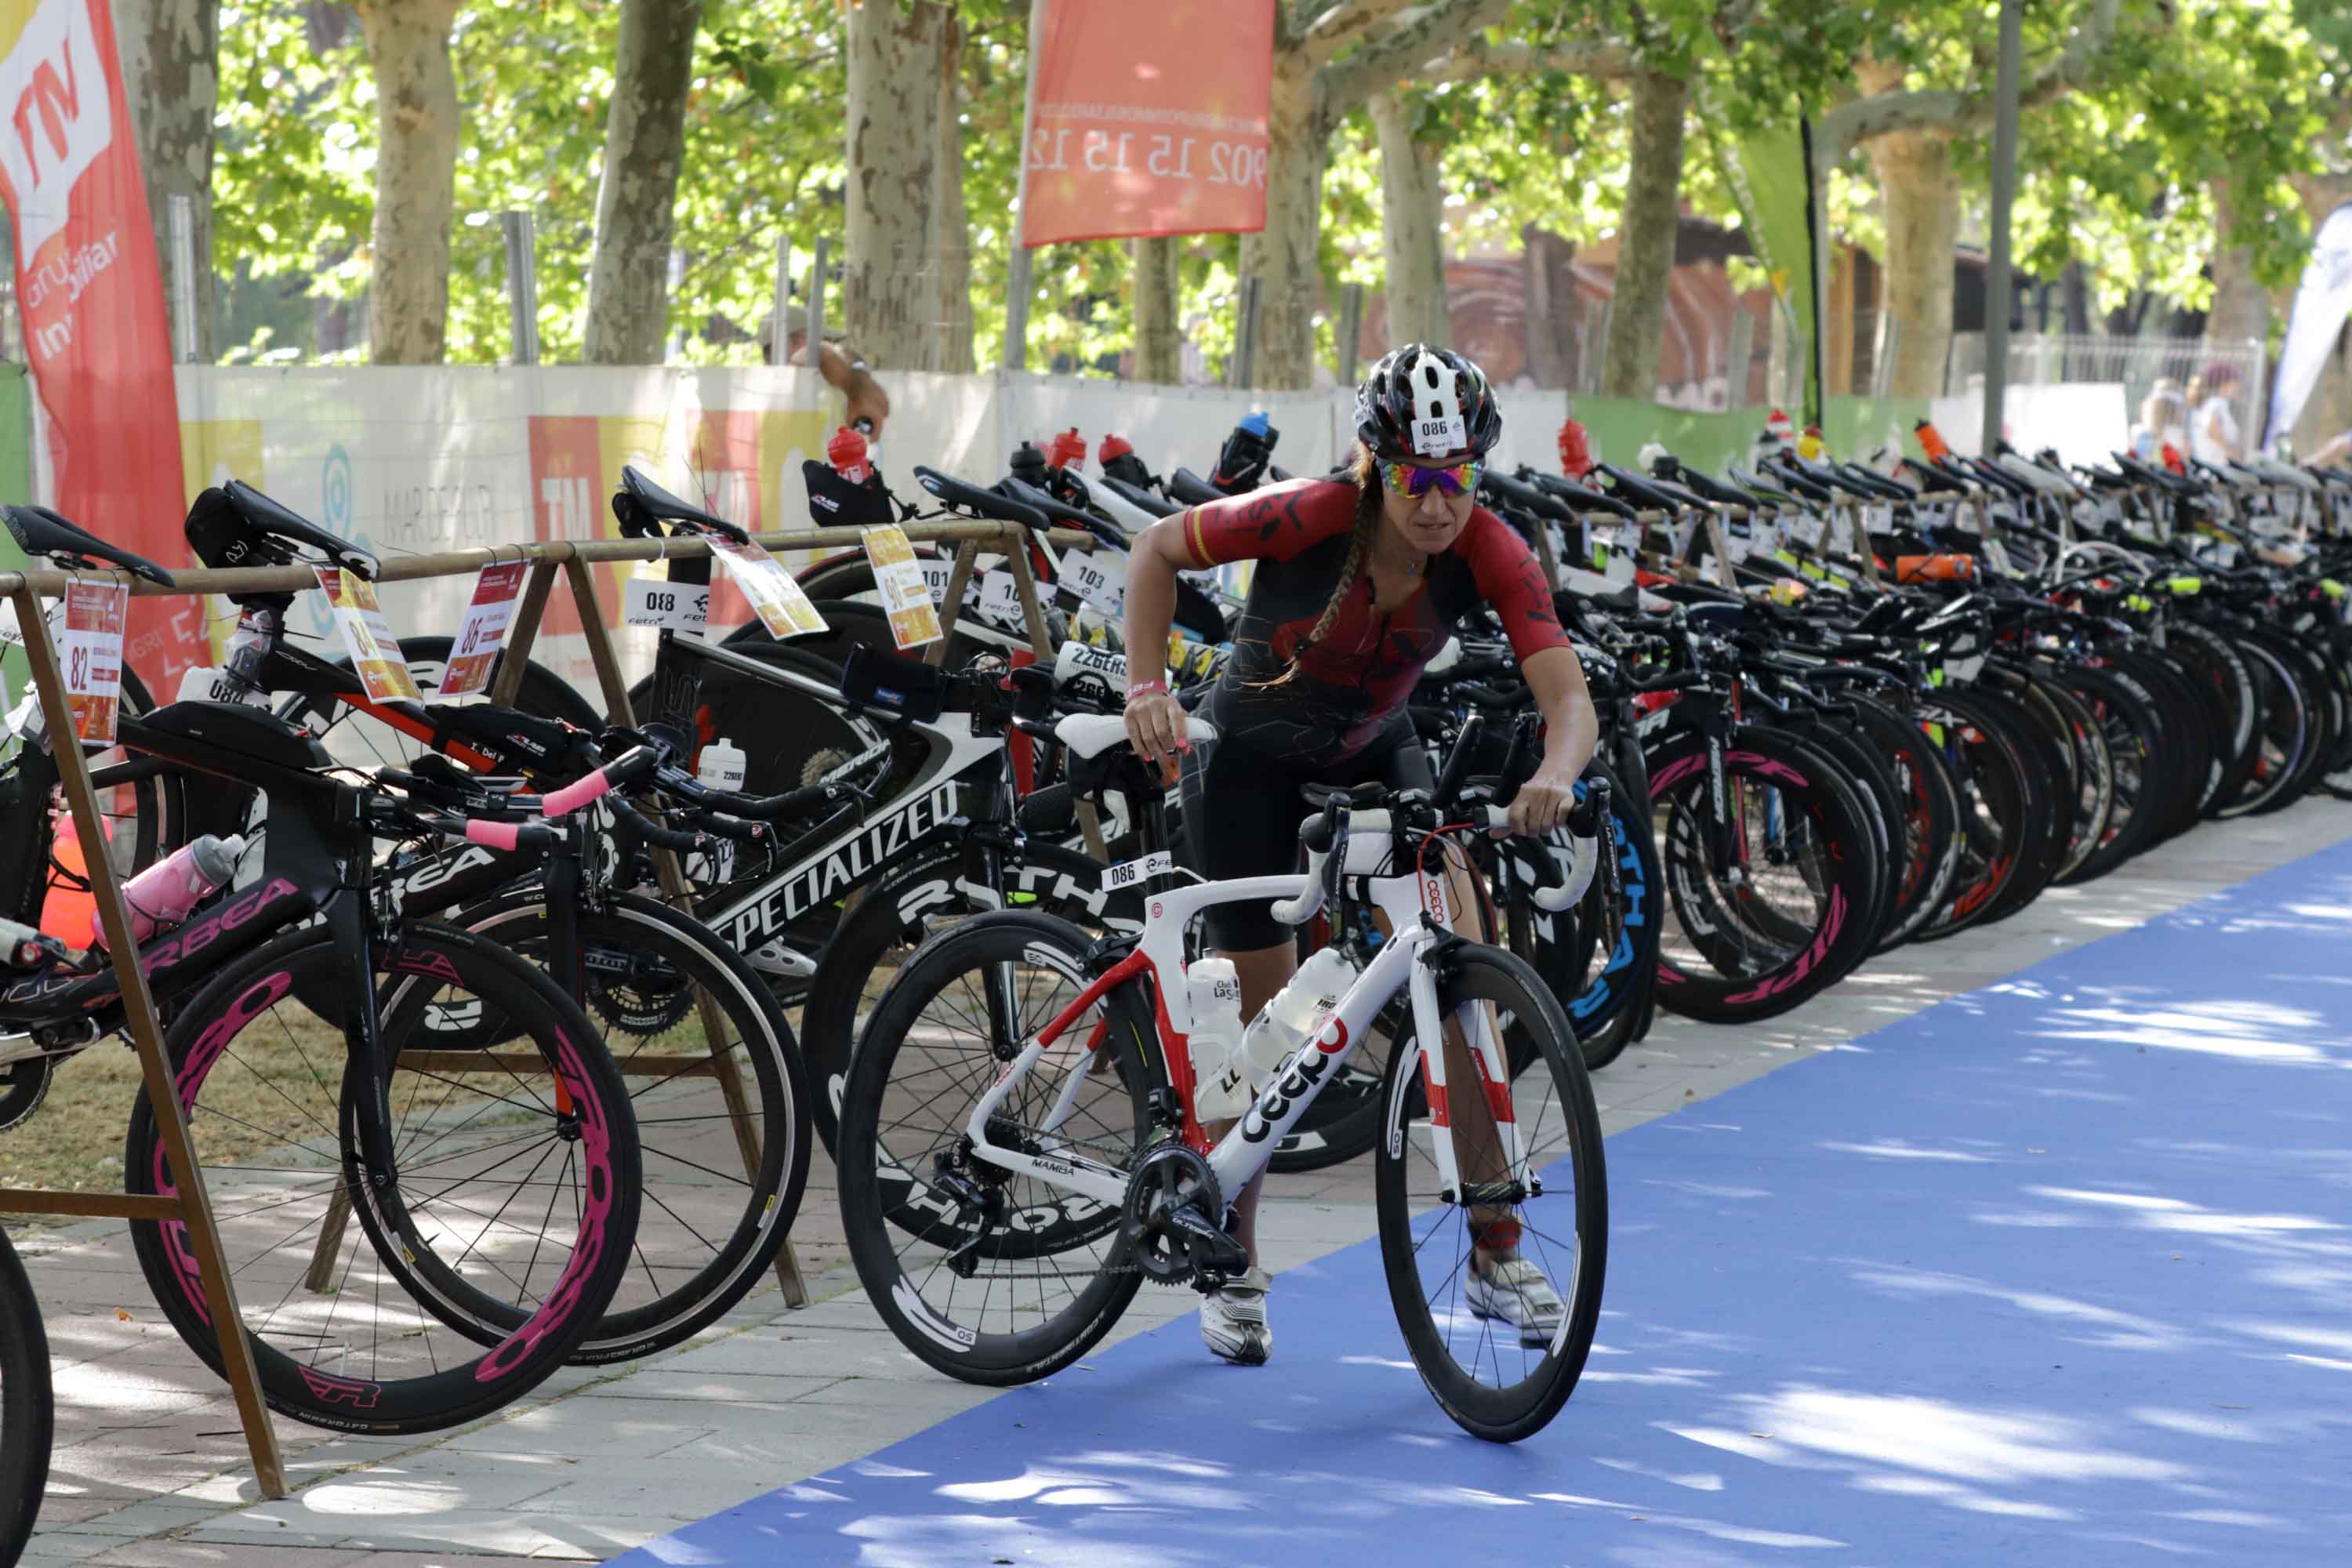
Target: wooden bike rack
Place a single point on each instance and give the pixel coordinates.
(192, 1204)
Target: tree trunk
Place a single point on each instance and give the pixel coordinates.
(171, 75)
(1159, 345)
(1921, 200)
(2241, 307)
(644, 145)
(1645, 246)
(1412, 204)
(1549, 263)
(1283, 258)
(890, 286)
(415, 178)
(952, 345)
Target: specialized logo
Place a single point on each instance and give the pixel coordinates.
(820, 877)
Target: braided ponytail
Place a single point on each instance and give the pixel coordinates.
(1365, 471)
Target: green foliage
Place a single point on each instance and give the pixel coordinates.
(2116, 175)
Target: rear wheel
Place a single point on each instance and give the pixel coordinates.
(990, 1276)
(28, 1405)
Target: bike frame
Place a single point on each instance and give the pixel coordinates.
(1403, 963)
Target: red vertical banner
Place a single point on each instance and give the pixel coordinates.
(567, 501)
(90, 293)
(726, 450)
(1148, 119)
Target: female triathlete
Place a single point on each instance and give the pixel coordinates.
(1358, 583)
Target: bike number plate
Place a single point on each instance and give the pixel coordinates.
(1135, 873)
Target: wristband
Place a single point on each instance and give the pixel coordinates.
(1145, 689)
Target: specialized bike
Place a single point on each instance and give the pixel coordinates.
(1008, 1191)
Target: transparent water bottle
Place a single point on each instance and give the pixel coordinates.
(1219, 1084)
(1290, 1020)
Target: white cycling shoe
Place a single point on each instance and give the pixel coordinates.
(1232, 1319)
(1515, 1291)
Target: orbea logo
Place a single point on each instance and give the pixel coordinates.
(59, 118)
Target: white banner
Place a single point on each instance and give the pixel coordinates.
(2321, 305)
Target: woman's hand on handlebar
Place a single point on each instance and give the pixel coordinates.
(1543, 802)
(1155, 724)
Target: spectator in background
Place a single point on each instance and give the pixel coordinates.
(2213, 435)
(842, 367)
(2163, 421)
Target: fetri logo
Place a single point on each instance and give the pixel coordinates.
(58, 115)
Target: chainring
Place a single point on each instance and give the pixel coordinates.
(636, 993)
(1169, 1177)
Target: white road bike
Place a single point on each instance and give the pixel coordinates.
(1020, 1151)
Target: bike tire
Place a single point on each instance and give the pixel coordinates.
(28, 1407)
(1422, 1256)
(317, 1386)
(689, 1148)
(899, 1209)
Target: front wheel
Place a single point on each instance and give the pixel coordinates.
(526, 1184)
(1497, 1379)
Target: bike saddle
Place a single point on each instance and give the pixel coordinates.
(1089, 735)
(1189, 489)
(982, 503)
(1137, 496)
(1053, 511)
(648, 503)
(236, 525)
(40, 532)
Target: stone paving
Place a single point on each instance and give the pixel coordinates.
(150, 1468)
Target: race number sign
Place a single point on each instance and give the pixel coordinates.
(91, 650)
(913, 620)
(367, 638)
(650, 601)
(483, 632)
(781, 604)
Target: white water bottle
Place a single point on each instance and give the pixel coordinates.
(1219, 1087)
(1290, 1020)
(161, 897)
(722, 765)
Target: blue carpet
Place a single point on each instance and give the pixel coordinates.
(2055, 1273)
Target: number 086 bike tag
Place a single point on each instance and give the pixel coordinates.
(1020, 1148)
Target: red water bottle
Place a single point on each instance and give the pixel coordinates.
(1575, 452)
(846, 453)
(1068, 450)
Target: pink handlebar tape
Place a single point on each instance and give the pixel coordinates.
(494, 835)
(572, 798)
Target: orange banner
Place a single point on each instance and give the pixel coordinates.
(1148, 120)
(92, 296)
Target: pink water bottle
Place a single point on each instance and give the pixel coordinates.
(161, 897)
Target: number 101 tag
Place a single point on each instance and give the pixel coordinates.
(1134, 873)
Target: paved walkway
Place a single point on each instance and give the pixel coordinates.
(149, 1472)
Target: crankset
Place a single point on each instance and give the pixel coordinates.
(1171, 1220)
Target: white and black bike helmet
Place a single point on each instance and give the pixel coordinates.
(1430, 406)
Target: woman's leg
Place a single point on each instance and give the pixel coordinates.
(1262, 973)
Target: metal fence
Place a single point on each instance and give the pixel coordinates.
(2057, 359)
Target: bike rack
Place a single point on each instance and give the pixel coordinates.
(193, 1206)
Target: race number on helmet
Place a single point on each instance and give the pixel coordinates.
(1424, 405)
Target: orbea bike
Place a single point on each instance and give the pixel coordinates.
(522, 1199)
(1052, 1077)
